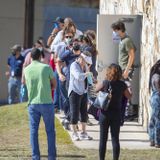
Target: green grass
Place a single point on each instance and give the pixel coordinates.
(14, 140)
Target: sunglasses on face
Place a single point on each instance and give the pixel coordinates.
(68, 36)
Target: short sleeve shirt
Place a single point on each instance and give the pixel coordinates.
(38, 76)
(16, 65)
(125, 45)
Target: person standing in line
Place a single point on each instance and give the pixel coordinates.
(126, 58)
(154, 124)
(111, 118)
(39, 80)
(15, 65)
(77, 93)
(58, 26)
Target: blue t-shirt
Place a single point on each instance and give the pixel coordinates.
(68, 57)
(16, 65)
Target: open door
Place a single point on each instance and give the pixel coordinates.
(108, 50)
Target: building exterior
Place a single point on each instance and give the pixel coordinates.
(150, 41)
(12, 15)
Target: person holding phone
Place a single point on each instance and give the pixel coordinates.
(57, 26)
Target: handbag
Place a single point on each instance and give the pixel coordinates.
(103, 98)
(95, 112)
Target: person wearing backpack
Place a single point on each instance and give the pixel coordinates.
(111, 118)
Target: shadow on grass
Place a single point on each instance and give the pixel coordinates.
(71, 156)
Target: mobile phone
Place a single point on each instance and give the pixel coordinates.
(55, 25)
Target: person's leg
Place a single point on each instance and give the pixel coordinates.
(152, 129)
(47, 112)
(84, 117)
(104, 126)
(65, 99)
(56, 101)
(34, 119)
(74, 100)
(18, 86)
(155, 104)
(11, 90)
(115, 129)
(157, 129)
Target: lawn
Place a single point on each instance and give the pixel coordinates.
(14, 140)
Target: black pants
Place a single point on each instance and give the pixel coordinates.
(114, 124)
(78, 104)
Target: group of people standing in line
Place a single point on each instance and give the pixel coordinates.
(57, 77)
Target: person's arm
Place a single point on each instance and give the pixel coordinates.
(23, 81)
(53, 83)
(131, 58)
(99, 87)
(56, 41)
(7, 73)
(59, 71)
(156, 82)
(127, 94)
(77, 74)
(52, 36)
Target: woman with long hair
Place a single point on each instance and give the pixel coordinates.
(154, 86)
(112, 117)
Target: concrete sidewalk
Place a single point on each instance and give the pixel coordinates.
(132, 136)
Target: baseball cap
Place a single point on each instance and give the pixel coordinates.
(16, 47)
(59, 19)
(88, 59)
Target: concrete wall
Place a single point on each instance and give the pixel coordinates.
(11, 32)
(150, 44)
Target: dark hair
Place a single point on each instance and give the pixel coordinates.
(118, 26)
(113, 72)
(35, 54)
(76, 46)
(154, 69)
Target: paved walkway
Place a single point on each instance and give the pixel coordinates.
(132, 136)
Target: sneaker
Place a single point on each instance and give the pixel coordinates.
(85, 136)
(152, 144)
(66, 125)
(75, 137)
(89, 123)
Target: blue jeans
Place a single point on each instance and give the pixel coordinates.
(64, 99)
(154, 124)
(35, 113)
(14, 85)
(57, 98)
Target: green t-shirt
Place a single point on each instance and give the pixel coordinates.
(37, 77)
(124, 47)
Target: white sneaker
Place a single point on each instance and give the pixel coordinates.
(85, 136)
(75, 137)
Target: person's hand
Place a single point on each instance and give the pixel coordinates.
(62, 77)
(125, 74)
(7, 74)
(88, 73)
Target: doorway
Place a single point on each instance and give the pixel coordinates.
(108, 50)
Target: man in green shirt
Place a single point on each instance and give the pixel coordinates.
(126, 57)
(39, 80)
